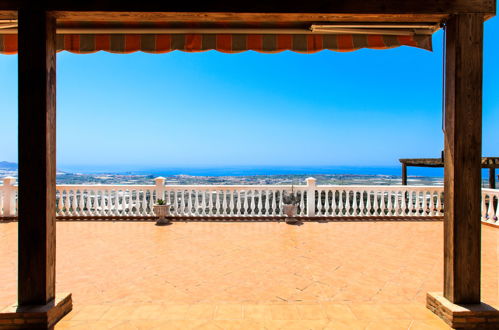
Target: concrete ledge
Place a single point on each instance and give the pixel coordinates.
(36, 317)
(477, 316)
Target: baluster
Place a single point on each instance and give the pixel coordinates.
(181, 206)
(327, 205)
(112, 202)
(260, 203)
(209, 203)
(302, 203)
(143, 206)
(490, 211)
(273, 205)
(255, 202)
(389, 204)
(348, 205)
(231, 202)
(174, 201)
(217, 202)
(375, 203)
(85, 196)
(67, 202)
(418, 206)
(79, 203)
(237, 206)
(361, 203)
(396, 203)
(496, 215)
(355, 211)
(403, 204)
(126, 201)
(189, 202)
(368, 202)
(439, 204)
(340, 203)
(333, 202)
(202, 206)
(267, 202)
(244, 202)
(196, 202)
(431, 204)
(59, 203)
(382, 204)
(484, 206)
(319, 202)
(99, 205)
(224, 195)
(224, 202)
(74, 202)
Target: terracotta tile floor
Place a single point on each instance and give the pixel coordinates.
(251, 275)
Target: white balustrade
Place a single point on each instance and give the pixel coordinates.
(490, 201)
(80, 201)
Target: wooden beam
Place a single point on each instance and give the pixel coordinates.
(463, 142)
(260, 6)
(37, 168)
(492, 178)
(404, 175)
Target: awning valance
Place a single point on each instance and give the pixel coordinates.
(226, 43)
(228, 37)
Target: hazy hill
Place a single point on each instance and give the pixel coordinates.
(8, 166)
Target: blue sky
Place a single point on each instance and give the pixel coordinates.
(365, 108)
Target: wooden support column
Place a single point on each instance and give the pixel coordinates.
(460, 305)
(37, 168)
(463, 148)
(404, 174)
(38, 307)
(492, 178)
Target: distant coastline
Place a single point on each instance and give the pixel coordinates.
(255, 170)
(333, 175)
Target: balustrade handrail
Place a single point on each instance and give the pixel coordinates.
(104, 200)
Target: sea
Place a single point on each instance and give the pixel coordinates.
(256, 170)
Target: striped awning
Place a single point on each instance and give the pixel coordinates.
(226, 43)
(226, 37)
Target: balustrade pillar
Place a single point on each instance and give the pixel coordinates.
(9, 201)
(311, 186)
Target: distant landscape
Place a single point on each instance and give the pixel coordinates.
(238, 176)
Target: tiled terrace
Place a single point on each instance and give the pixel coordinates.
(251, 275)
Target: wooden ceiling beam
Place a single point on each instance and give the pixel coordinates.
(381, 7)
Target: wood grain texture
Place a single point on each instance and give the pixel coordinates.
(463, 142)
(279, 6)
(37, 168)
(404, 175)
(492, 178)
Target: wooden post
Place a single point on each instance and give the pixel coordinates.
(492, 178)
(404, 174)
(463, 144)
(37, 168)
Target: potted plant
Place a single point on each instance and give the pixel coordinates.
(161, 210)
(290, 206)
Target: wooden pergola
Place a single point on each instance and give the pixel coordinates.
(38, 304)
(487, 162)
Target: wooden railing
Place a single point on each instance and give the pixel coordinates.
(82, 201)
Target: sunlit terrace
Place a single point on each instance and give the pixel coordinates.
(250, 275)
(360, 257)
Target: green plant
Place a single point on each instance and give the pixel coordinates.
(291, 198)
(160, 202)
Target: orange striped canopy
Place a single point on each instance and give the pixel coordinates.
(122, 42)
